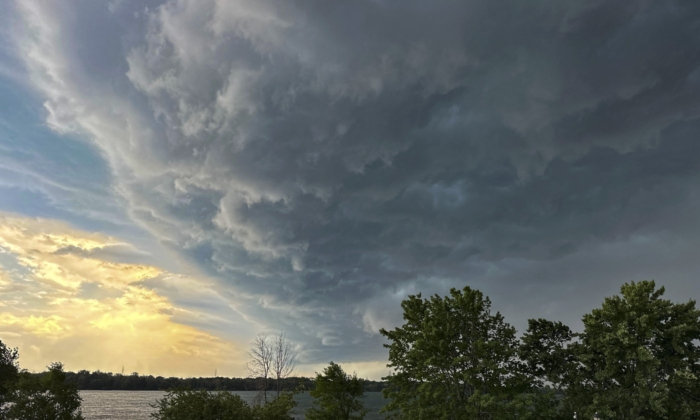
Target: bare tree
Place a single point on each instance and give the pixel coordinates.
(261, 357)
(284, 358)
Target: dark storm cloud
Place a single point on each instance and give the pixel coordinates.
(326, 159)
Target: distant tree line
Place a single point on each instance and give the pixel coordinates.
(107, 381)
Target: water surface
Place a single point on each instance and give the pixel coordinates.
(136, 405)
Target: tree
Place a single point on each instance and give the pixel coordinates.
(337, 396)
(185, 404)
(546, 352)
(637, 357)
(271, 357)
(48, 397)
(284, 358)
(454, 359)
(25, 396)
(641, 355)
(8, 374)
(260, 365)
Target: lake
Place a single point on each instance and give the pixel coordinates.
(135, 405)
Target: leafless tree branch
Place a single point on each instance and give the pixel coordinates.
(261, 357)
(285, 358)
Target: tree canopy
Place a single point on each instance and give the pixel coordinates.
(454, 359)
(185, 404)
(637, 357)
(46, 397)
(25, 396)
(9, 370)
(337, 396)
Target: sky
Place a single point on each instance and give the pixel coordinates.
(177, 176)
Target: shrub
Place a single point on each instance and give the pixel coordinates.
(183, 404)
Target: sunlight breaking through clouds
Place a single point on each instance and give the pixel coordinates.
(50, 306)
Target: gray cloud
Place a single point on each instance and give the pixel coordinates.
(325, 159)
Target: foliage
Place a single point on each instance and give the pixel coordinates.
(280, 408)
(637, 357)
(194, 405)
(337, 396)
(24, 396)
(639, 352)
(454, 359)
(47, 397)
(8, 374)
(544, 350)
(185, 404)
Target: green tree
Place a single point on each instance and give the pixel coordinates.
(280, 408)
(337, 396)
(454, 359)
(185, 404)
(641, 356)
(47, 397)
(8, 375)
(545, 350)
(637, 357)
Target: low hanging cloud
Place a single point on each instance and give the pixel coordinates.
(323, 160)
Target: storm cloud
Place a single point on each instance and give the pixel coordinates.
(322, 160)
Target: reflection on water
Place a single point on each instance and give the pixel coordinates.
(136, 405)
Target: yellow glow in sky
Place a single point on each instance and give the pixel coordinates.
(60, 300)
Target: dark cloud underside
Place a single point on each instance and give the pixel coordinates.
(325, 159)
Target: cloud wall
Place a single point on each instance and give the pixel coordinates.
(320, 161)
